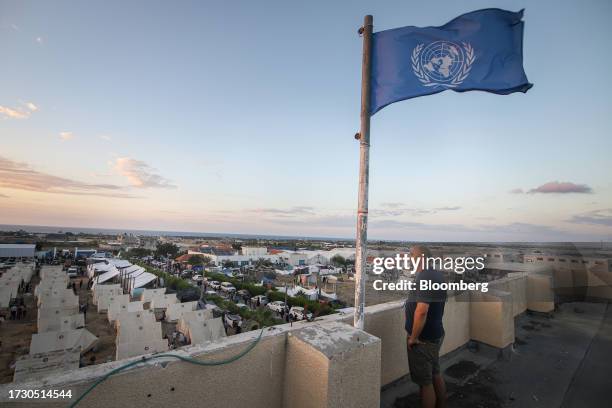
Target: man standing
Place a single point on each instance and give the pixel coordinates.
(424, 311)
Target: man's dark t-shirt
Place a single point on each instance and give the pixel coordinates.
(433, 329)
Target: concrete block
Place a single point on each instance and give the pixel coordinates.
(340, 362)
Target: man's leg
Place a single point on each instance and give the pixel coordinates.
(428, 396)
(440, 390)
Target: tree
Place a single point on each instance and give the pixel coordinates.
(139, 252)
(199, 260)
(262, 262)
(338, 260)
(166, 248)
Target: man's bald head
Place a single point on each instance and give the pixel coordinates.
(418, 250)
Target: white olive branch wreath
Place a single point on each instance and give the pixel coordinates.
(419, 72)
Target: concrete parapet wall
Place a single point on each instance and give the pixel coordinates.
(540, 293)
(492, 318)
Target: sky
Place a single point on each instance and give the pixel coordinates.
(239, 117)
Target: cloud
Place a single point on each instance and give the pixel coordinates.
(298, 210)
(555, 187)
(3, 196)
(39, 40)
(14, 113)
(394, 209)
(21, 176)
(140, 174)
(31, 106)
(66, 136)
(516, 191)
(595, 217)
(106, 137)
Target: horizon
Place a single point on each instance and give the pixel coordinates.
(167, 124)
(196, 234)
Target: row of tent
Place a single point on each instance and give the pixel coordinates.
(10, 281)
(61, 337)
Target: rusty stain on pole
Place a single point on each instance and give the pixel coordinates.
(361, 250)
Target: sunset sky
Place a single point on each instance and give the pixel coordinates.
(239, 117)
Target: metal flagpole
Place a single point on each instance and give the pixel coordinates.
(361, 251)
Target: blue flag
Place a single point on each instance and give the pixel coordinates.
(478, 51)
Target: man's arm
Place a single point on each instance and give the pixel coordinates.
(420, 317)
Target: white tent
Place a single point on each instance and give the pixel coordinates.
(99, 290)
(119, 263)
(208, 330)
(143, 279)
(108, 275)
(163, 301)
(138, 333)
(110, 297)
(176, 310)
(36, 367)
(58, 299)
(148, 346)
(53, 313)
(61, 340)
(61, 323)
(148, 294)
(6, 293)
(196, 315)
(115, 308)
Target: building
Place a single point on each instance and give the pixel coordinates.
(254, 251)
(17, 251)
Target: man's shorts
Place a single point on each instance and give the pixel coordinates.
(424, 361)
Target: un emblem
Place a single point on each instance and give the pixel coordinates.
(442, 63)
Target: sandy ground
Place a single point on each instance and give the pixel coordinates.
(15, 336)
(98, 325)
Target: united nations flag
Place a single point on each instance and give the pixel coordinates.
(478, 51)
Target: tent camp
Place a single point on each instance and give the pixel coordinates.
(36, 367)
(148, 294)
(208, 330)
(176, 310)
(114, 309)
(63, 298)
(128, 319)
(163, 301)
(149, 346)
(110, 297)
(61, 323)
(61, 340)
(100, 290)
(196, 315)
(138, 333)
(6, 294)
(52, 313)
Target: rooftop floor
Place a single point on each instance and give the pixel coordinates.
(562, 360)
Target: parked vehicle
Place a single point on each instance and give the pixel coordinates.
(72, 272)
(197, 278)
(215, 285)
(298, 313)
(227, 287)
(263, 300)
(233, 320)
(276, 306)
